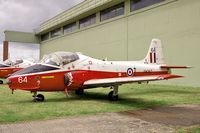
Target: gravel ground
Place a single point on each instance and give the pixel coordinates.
(156, 120)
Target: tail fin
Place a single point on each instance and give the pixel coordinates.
(155, 53)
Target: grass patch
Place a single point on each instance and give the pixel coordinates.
(19, 107)
(195, 129)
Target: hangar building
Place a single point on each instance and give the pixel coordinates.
(122, 30)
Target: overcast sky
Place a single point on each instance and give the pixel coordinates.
(26, 15)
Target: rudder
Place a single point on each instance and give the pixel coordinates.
(155, 53)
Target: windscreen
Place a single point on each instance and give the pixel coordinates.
(51, 60)
(35, 69)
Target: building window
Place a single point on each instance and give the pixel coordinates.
(45, 37)
(87, 21)
(138, 4)
(69, 28)
(112, 12)
(56, 32)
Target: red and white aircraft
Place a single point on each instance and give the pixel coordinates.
(9, 67)
(67, 71)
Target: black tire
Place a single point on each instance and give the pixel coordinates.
(40, 97)
(111, 97)
(79, 92)
(1, 81)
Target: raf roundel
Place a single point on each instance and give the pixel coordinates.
(130, 72)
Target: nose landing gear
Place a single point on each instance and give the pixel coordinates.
(113, 95)
(38, 97)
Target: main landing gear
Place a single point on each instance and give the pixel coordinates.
(79, 92)
(38, 97)
(1, 81)
(113, 95)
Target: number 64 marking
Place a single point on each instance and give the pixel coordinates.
(22, 80)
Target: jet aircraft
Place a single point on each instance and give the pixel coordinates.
(9, 67)
(69, 71)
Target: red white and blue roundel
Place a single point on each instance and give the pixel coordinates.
(130, 72)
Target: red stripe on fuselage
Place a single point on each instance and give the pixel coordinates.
(35, 82)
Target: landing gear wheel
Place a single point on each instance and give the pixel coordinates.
(1, 81)
(40, 97)
(111, 97)
(79, 92)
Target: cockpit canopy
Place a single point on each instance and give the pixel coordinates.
(18, 61)
(60, 58)
(9, 63)
(51, 62)
(12, 63)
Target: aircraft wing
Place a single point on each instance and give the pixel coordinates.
(123, 80)
(175, 67)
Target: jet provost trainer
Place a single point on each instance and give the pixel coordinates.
(68, 71)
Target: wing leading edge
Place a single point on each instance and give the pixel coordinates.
(175, 67)
(114, 81)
